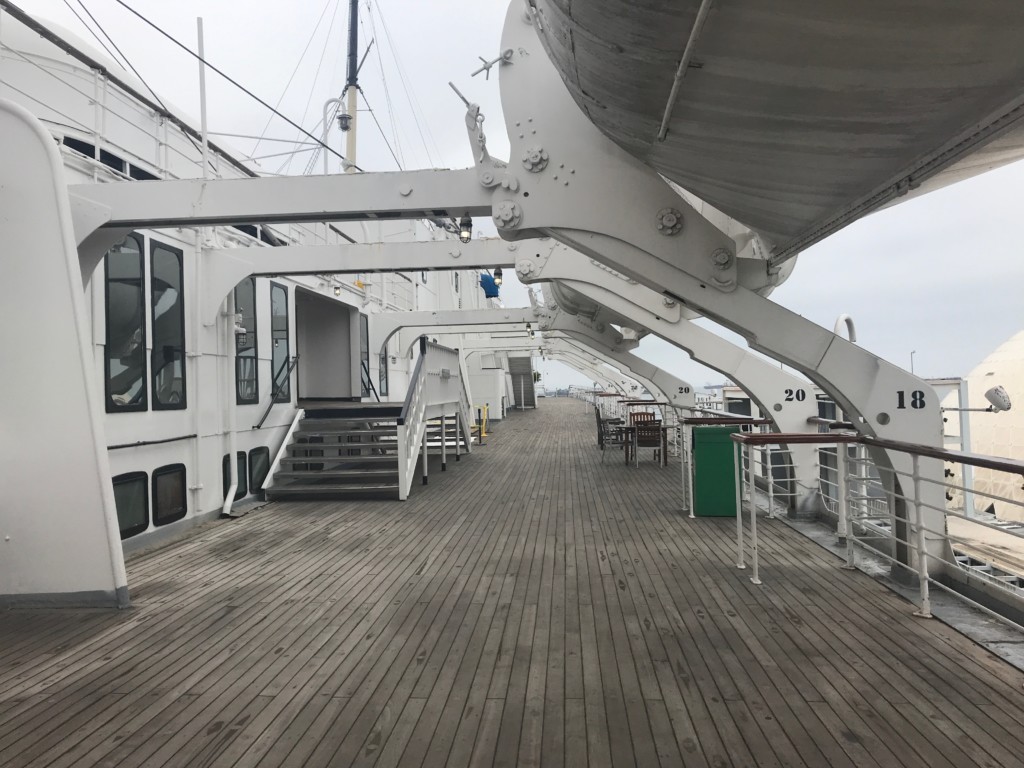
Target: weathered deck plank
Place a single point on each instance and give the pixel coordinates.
(531, 606)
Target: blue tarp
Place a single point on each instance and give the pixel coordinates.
(490, 288)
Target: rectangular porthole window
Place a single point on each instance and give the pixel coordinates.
(259, 466)
(170, 502)
(168, 327)
(247, 383)
(131, 497)
(279, 335)
(125, 349)
(243, 488)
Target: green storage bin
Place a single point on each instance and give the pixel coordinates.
(714, 471)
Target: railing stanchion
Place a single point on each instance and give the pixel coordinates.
(424, 456)
(751, 482)
(458, 437)
(739, 507)
(846, 506)
(925, 611)
(771, 483)
(842, 494)
(444, 445)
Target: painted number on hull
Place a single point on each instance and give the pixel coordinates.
(916, 399)
(798, 394)
(684, 390)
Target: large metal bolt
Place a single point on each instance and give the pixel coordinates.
(535, 159)
(670, 221)
(507, 215)
(721, 258)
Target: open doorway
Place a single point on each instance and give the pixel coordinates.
(328, 368)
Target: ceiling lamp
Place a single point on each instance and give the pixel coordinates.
(465, 229)
(497, 276)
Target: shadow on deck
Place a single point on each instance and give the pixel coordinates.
(532, 607)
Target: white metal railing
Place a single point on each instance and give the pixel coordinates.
(890, 514)
(283, 450)
(437, 389)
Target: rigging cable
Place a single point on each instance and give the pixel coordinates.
(93, 33)
(295, 71)
(230, 80)
(387, 90)
(136, 72)
(413, 102)
(379, 128)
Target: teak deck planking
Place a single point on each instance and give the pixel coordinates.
(531, 606)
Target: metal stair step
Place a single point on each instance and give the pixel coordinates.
(333, 474)
(311, 492)
(309, 431)
(339, 459)
(329, 450)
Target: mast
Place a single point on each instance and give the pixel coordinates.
(352, 83)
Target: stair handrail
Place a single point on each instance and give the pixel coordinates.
(368, 380)
(411, 424)
(277, 388)
(283, 450)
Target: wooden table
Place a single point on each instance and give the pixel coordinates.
(632, 450)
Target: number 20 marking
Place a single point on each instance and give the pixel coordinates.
(799, 395)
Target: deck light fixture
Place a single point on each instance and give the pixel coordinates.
(465, 229)
(344, 121)
(497, 276)
(337, 290)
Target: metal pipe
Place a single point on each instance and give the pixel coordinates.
(204, 135)
(739, 506)
(229, 403)
(684, 63)
(850, 329)
(842, 494)
(753, 515)
(965, 446)
(925, 611)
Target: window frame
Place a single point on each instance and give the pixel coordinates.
(183, 404)
(169, 469)
(285, 395)
(255, 400)
(109, 405)
(128, 477)
(260, 450)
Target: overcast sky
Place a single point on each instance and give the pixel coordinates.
(941, 275)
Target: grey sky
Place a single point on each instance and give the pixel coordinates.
(941, 275)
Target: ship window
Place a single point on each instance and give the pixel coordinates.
(243, 489)
(131, 497)
(168, 327)
(383, 372)
(279, 335)
(140, 174)
(87, 149)
(125, 350)
(249, 229)
(111, 160)
(259, 466)
(246, 359)
(364, 353)
(169, 494)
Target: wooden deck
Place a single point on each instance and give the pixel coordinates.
(529, 607)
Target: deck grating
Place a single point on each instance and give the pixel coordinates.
(531, 606)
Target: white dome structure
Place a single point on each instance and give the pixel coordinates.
(999, 434)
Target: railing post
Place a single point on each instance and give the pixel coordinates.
(847, 503)
(754, 577)
(444, 445)
(842, 494)
(739, 507)
(771, 483)
(458, 437)
(425, 457)
(403, 463)
(925, 611)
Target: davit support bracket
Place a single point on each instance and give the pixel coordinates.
(591, 195)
